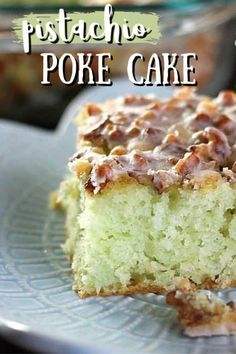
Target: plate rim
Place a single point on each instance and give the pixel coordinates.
(18, 332)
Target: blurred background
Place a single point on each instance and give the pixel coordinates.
(207, 28)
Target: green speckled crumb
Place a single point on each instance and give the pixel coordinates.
(131, 233)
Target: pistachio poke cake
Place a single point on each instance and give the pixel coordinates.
(150, 196)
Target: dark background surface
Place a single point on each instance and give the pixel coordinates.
(7, 347)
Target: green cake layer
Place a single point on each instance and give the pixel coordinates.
(131, 238)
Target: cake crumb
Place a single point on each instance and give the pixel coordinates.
(203, 314)
(53, 201)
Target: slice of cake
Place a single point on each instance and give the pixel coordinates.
(150, 199)
(203, 314)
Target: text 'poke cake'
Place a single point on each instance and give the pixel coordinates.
(150, 199)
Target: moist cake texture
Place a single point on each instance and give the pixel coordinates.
(150, 197)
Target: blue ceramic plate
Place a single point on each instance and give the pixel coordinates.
(38, 307)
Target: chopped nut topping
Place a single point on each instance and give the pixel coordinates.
(93, 109)
(118, 150)
(234, 167)
(219, 148)
(164, 179)
(83, 167)
(201, 121)
(171, 138)
(136, 100)
(139, 160)
(188, 164)
(184, 139)
(207, 107)
(133, 132)
(227, 98)
(115, 134)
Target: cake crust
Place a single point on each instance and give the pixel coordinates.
(145, 289)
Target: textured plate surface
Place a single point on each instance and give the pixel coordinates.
(37, 305)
